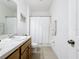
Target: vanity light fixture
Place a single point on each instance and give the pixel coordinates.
(23, 19)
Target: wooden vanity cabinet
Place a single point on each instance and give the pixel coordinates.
(24, 52)
(23, 56)
(30, 52)
(14, 55)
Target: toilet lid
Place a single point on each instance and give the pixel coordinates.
(34, 44)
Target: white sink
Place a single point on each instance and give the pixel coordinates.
(11, 41)
(2, 45)
(6, 42)
(18, 38)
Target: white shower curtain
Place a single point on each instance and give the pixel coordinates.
(39, 29)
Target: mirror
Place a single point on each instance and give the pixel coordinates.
(8, 17)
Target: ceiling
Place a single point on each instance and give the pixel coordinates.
(10, 4)
(40, 5)
(35, 5)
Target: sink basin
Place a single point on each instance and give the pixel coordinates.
(4, 43)
(8, 42)
(18, 38)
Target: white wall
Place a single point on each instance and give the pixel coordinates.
(59, 12)
(22, 8)
(40, 13)
(72, 28)
(77, 28)
(77, 17)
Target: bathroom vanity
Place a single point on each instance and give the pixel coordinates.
(20, 49)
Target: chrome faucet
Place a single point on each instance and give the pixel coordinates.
(11, 35)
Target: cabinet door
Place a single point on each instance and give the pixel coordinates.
(30, 52)
(25, 54)
(26, 50)
(14, 55)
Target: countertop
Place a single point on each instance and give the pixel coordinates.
(7, 46)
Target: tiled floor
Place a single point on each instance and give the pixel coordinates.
(44, 53)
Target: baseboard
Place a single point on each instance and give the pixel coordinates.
(45, 45)
(54, 52)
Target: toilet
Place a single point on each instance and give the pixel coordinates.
(35, 48)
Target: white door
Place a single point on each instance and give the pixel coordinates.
(77, 32)
(11, 25)
(72, 54)
(39, 29)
